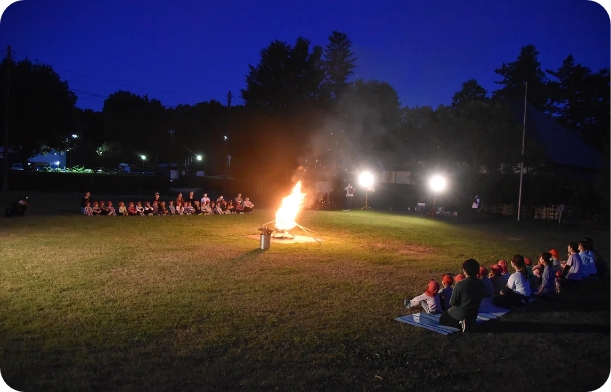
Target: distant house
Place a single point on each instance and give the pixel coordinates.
(54, 159)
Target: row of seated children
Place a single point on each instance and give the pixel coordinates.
(160, 208)
(514, 289)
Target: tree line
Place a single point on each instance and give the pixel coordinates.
(302, 109)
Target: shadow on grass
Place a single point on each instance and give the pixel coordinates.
(501, 326)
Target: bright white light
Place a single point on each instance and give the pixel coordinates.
(74, 136)
(199, 157)
(56, 163)
(366, 179)
(437, 183)
(225, 137)
(143, 157)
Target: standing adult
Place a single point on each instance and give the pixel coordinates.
(349, 194)
(477, 202)
(466, 298)
(84, 200)
(191, 199)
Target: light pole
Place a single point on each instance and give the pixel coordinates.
(366, 181)
(437, 184)
(171, 132)
(143, 159)
(227, 163)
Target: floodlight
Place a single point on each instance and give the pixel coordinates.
(437, 183)
(198, 157)
(366, 179)
(143, 157)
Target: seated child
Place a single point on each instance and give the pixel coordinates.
(197, 207)
(148, 208)
(458, 278)
(96, 208)
(223, 205)
(163, 210)
(111, 210)
(179, 209)
(517, 291)
(557, 263)
(529, 272)
(446, 292)
(504, 271)
(248, 206)
(186, 208)
(122, 209)
(103, 210)
(156, 208)
(171, 208)
(488, 285)
(239, 208)
(547, 288)
(498, 282)
(88, 210)
(139, 209)
(230, 207)
(131, 210)
(217, 209)
(429, 300)
(206, 210)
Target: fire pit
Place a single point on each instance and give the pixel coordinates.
(285, 216)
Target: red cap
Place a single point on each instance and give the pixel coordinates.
(483, 272)
(503, 265)
(496, 269)
(447, 280)
(527, 261)
(458, 278)
(555, 254)
(432, 288)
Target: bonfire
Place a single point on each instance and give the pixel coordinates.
(290, 207)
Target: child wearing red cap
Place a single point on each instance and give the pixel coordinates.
(517, 291)
(429, 300)
(483, 275)
(458, 278)
(556, 263)
(498, 282)
(446, 292)
(505, 272)
(547, 288)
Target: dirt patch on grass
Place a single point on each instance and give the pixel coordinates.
(413, 250)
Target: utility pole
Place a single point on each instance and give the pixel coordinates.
(6, 108)
(522, 164)
(229, 96)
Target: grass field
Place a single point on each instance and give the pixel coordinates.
(190, 303)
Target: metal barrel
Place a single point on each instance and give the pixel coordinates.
(265, 240)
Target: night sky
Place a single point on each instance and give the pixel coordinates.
(193, 51)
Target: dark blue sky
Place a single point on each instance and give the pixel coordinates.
(193, 51)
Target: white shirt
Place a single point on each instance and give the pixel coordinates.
(204, 200)
(349, 191)
(518, 283)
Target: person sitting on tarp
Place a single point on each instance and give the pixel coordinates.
(18, 207)
(466, 298)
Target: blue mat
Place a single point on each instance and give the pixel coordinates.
(487, 311)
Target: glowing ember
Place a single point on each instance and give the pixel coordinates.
(285, 216)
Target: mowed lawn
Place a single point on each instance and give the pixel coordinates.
(191, 303)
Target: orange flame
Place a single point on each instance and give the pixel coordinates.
(286, 214)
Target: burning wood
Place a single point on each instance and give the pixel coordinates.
(291, 204)
(266, 230)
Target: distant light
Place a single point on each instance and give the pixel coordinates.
(437, 183)
(366, 179)
(74, 136)
(225, 137)
(199, 157)
(143, 157)
(56, 163)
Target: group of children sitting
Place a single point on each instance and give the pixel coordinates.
(545, 279)
(180, 206)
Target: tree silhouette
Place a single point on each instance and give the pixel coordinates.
(339, 63)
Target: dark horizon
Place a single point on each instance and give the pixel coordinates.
(185, 53)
